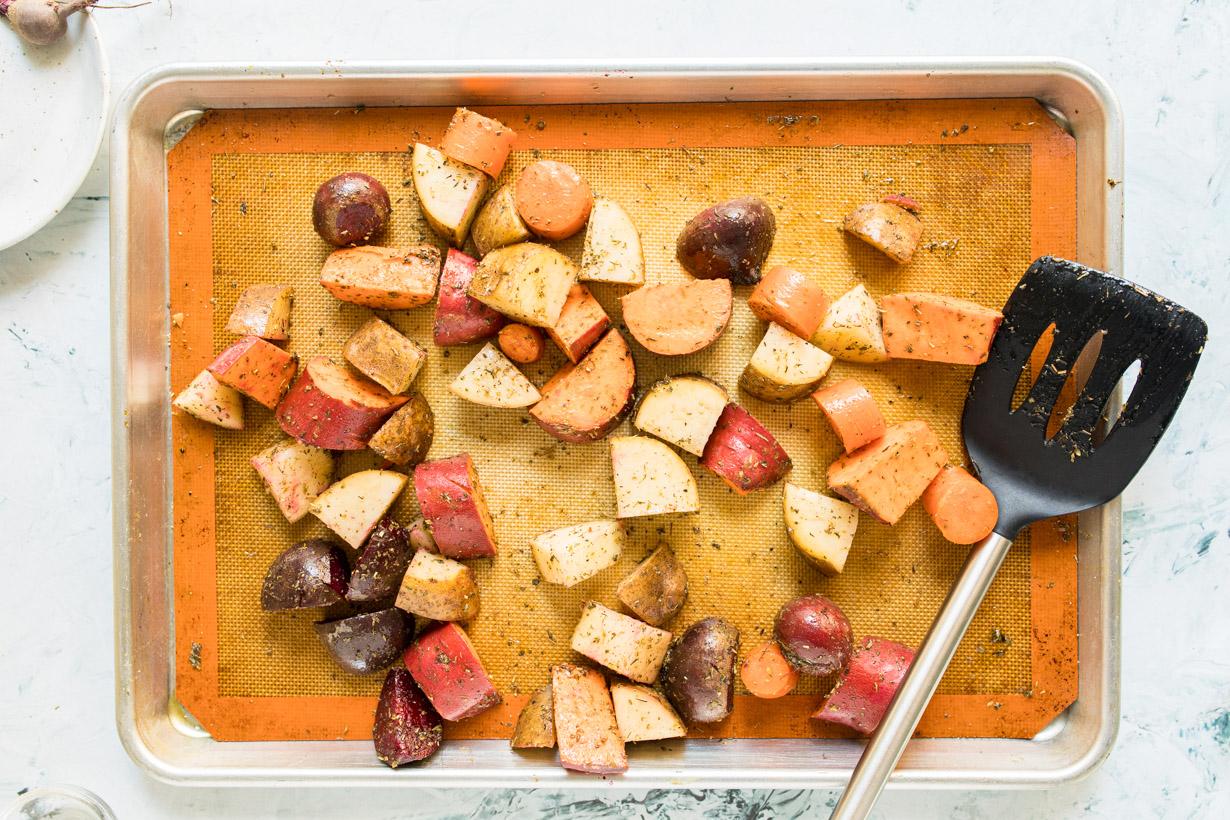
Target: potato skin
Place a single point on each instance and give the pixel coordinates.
(536, 724)
(699, 673)
(743, 453)
(309, 574)
(406, 437)
(379, 568)
(729, 240)
(350, 209)
(656, 590)
(407, 728)
(814, 635)
(367, 642)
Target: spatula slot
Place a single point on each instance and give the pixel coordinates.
(1115, 404)
(1078, 376)
(1031, 366)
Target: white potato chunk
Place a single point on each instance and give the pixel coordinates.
(210, 400)
(650, 478)
(851, 329)
(438, 588)
(682, 410)
(353, 506)
(295, 474)
(450, 192)
(622, 644)
(498, 224)
(644, 714)
(492, 380)
(569, 555)
(612, 247)
(527, 282)
(784, 367)
(820, 526)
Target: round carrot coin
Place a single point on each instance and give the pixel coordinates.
(553, 199)
(962, 507)
(521, 343)
(767, 674)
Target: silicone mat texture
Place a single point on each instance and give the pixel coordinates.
(241, 186)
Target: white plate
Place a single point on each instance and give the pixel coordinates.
(52, 116)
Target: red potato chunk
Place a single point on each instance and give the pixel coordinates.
(460, 318)
(383, 278)
(866, 688)
(743, 453)
(451, 499)
(581, 323)
(932, 327)
(331, 408)
(295, 474)
(814, 634)
(888, 475)
(586, 730)
(259, 370)
(446, 667)
(408, 728)
(585, 402)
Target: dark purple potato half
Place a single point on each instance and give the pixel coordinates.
(310, 574)
(368, 642)
(350, 209)
(730, 240)
(408, 728)
(380, 566)
(698, 675)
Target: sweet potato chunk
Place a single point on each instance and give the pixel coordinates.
(385, 278)
(446, 667)
(743, 453)
(887, 227)
(582, 321)
(385, 356)
(258, 369)
(620, 643)
(451, 499)
(937, 328)
(889, 474)
(536, 723)
(330, 408)
(585, 402)
(461, 319)
(478, 141)
(262, 310)
(679, 318)
(851, 412)
(585, 726)
(790, 299)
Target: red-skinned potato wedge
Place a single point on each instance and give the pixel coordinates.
(406, 437)
(962, 507)
(447, 669)
(790, 299)
(384, 278)
(262, 310)
(743, 453)
(211, 401)
(678, 318)
(933, 327)
(385, 356)
(886, 227)
(553, 199)
(581, 323)
(888, 475)
(451, 499)
(527, 282)
(407, 728)
(864, 690)
(354, 505)
(814, 635)
(256, 368)
(851, 412)
(536, 724)
(478, 141)
(643, 713)
(621, 643)
(295, 474)
(585, 726)
(461, 319)
(329, 407)
(438, 589)
(521, 343)
(585, 402)
(766, 673)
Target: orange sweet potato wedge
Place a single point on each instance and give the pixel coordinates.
(851, 412)
(585, 728)
(933, 327)
(584, 402)
(581, 323)
(256, 368)
(886, 476)
(678, 318)
(962, 507)
(385, 278)
(790, 299)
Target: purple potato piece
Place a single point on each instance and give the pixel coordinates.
(408, 728)
(368, 642)
(814, 635)
(350, 209)
(729, 240)
(379, 568)
(312, 573)
(698, 675)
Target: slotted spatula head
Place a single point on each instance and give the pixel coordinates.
(1035, 477)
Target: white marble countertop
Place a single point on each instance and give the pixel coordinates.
(1165, 59)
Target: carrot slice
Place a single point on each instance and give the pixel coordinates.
(521, 343)
(790, 299)
(553, 199)
(767, 674)
(963, 508)
(478, 141)
(852, 413)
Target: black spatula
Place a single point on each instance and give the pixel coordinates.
(1035, 476)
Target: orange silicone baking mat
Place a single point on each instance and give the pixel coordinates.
(997, 184)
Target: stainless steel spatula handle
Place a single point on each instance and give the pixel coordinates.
(886, 745)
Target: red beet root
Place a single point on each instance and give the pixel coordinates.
(350, 209)
(408, 728)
